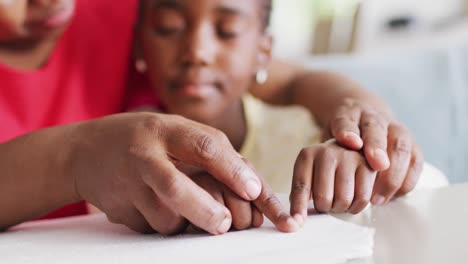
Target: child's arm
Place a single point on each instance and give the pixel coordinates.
(319, 91)
(356, 118)
(339, 180)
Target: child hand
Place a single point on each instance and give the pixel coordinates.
(247, 214)
(338, 180)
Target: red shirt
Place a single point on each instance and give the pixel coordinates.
(84, 78)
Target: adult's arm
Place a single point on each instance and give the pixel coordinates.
(125, 165)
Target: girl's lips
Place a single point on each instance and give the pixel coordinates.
(196, 90)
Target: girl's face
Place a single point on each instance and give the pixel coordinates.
(33, 19)
(202, 55)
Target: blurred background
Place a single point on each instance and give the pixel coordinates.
(413, 53)
(305, 27)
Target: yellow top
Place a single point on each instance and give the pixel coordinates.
(275, 136)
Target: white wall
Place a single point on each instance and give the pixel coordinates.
(427, 14)
(292, 27)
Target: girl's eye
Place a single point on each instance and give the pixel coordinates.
(231, 28)
(168, 22)
(227, 34)
(167, 30)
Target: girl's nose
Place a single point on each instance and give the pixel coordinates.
(200, 47)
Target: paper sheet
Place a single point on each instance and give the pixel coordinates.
(92, 239)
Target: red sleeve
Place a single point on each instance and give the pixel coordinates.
(75, 209)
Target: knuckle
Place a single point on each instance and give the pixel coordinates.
(408, 186)
(170, 187)
(362, 202)
(270, 200)
(137, 146)
(349, 102)
(305, 154)
(150, 124)
(362, 198)
(362, 166)
(330, 151)
(213, 216)
(373, 123)
(356, 157)
(345, 178)
(341, 119)
(218, 136)
(331, 156)
(375, 141)
(402, 146)
(236, 173)
(206, 148)
(346, 192)
(343, 200)
(365, 171)
(398, 128)
(391, 184)
(300, 187)
(138, 152)
(322, 202)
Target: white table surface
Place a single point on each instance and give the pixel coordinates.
(94, 240)
(427, 227)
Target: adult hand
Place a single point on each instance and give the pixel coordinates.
(124, 165)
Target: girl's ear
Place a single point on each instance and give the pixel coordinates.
(265, 51)
(264, 57)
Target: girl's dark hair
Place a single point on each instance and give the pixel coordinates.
(267, 6)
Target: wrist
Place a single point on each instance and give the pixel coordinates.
(64, 163)
(34, 178)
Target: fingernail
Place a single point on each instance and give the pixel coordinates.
(354, 137)
(378, 200)
(299, 219)
(351, 135)
(382, 156)
(224, 226)
(253, 188)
